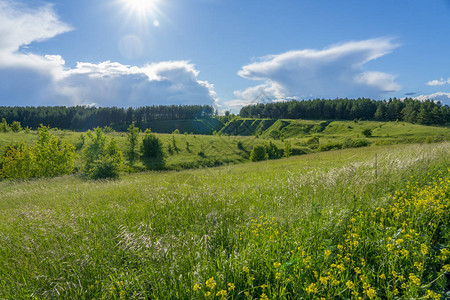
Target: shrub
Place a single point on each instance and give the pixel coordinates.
(272, 151)
(152, 154)
(103, 159)
(367, 132)
(132, 139)
(15, 126)
(18, 162)
(49, 157)
(259, 153)
(53, 157)
(176, 131)
(313, 141)
(287, 149)
(4, 126)
(330, 146)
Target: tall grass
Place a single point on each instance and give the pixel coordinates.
(276, 229)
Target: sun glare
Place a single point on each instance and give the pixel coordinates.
(141, 10)
(140, 6)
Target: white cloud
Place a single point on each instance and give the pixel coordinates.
(30, 79)
(336, 71)
(442, 81)
(439, 96)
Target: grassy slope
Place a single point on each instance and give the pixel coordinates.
(157, 234)
(335, 131)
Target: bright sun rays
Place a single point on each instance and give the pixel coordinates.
(143, 11)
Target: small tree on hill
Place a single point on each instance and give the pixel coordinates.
(287, 149)
(49, 157)
(103, 158)
(272, 151)
(152, 151)
(4, 126)
(132, 138)
(258, 153)
(15, 126)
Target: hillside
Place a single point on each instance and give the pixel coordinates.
(381, 132)
(279, 229)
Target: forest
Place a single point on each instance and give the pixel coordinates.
(408, 110)
(83, 117)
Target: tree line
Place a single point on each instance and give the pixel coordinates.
(408, 110)
(83, 118)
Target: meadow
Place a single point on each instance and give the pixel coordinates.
(197, 151)
(368, 222)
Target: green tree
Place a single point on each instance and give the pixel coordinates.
(152, 152)
(272, 151)
(103, 159)
(49, 157)
(15, 126)
(132, 138)
(287, 149)
(258, 153)
(18, 162)
(4, 126)
(53, 157)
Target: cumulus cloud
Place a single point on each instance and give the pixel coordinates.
(30, 79)
(336, 71)
(436, 82)
(438, 96)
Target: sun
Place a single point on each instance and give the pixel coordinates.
(140, 7)
(141, 11)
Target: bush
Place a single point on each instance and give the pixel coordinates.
(49, 157)
(103, 159)
(152, 154)
(15, 126)
(4, 126)
(367, 132)
(259, 153)
(18, 162)
(132, 139)
(273, 152)
(330, 146)
(287, 149)
(313, 141)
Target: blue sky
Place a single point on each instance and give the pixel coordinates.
(221, 52)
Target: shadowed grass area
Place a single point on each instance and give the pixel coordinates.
(166, 234)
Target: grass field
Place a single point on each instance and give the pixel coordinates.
(368, 222)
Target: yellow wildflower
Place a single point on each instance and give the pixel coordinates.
(414, 279)
(382, 276)
(327, 253)
(424, 249)
(350, 284)
(196, 287)
(278, 276)
(312, 289)
(211, 283)
(245, 269)
(207, 294)
(433, 295)
(221, 293)
(231, 286)
(264, 297)
(276, 265)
